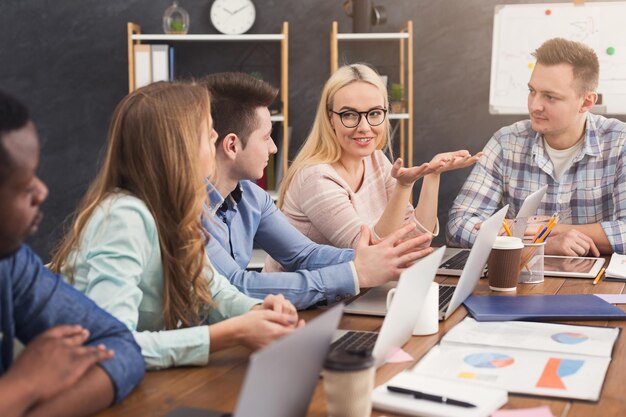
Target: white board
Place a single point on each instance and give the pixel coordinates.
(520, 29)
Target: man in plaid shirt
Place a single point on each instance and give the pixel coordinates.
(579, 155)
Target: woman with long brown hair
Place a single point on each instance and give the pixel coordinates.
(137, 243)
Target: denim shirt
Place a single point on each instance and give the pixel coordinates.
(33, 299)
(319, 274)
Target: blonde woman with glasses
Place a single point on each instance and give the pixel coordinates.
(341, 179)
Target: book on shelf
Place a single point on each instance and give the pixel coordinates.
(262, 182)
(143, 65)
(171, 63)
(160, 63)
(280, 172)
(152, 63)
(543, 359)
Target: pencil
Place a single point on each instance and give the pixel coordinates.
(595, 281)
(506, 228)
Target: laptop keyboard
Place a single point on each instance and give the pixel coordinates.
(445, 295)
(356, 342)
(457, 261)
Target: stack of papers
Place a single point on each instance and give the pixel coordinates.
(616, 271)
(545, 359)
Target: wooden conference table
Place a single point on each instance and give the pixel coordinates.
(217, 385)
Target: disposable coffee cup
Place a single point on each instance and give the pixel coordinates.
(428, 319)
(348, 383)
(504, 262)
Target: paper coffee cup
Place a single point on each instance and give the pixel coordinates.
(348, 383)
(504, 262)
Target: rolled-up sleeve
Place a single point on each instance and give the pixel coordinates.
(615, 230)
(479, 197)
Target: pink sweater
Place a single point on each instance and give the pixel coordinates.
(321, 205)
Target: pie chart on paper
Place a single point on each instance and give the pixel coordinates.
(488, 360)
(569, 338)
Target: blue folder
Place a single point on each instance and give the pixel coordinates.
(542, 308)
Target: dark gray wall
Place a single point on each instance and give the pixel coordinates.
(68, 61)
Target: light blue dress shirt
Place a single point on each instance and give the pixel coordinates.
(320, 274)
(118, 265)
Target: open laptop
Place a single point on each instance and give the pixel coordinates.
(404, 310)
(450, 296)
(454, 259)
(281, 377)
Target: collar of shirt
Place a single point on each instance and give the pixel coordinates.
(591, 147)
(218, 203)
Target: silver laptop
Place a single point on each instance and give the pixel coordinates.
(281, 377)
(450, 296)
(404, 310)
(454, 259)
(474, 266)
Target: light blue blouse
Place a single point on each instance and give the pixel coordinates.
(118, 265)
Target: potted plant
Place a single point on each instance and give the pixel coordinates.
(396, 98)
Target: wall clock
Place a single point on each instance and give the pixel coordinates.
(233, 17)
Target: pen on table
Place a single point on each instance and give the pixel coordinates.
(506, 228)
(430, 397)
(595, 281)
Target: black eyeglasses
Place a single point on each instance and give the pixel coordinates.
(352, 118)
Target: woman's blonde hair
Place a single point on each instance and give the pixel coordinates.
(152, 153)
(321, 147)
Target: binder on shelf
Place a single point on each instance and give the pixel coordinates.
(262, 182)
(280, 173)
(171, 63)
(160, 63)
(542, 308)
(143, 65)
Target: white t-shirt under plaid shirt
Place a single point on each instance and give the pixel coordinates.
(516, 163)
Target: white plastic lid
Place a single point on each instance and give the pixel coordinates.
(508, 242)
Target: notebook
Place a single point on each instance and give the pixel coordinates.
(542, 308)
(454, 258)
(282, 391)
(450, 296)
(486, 399)
(404, 310)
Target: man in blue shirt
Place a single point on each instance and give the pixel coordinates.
(245, 213)
(77, 358)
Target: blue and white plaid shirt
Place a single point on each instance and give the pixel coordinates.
(515, 164)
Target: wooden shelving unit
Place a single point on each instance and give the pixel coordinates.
(135, 37)
(405, 39)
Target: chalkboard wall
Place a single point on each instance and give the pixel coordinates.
(68, 61)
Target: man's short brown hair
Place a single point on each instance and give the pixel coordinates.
(235, 96)
(582, 58)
